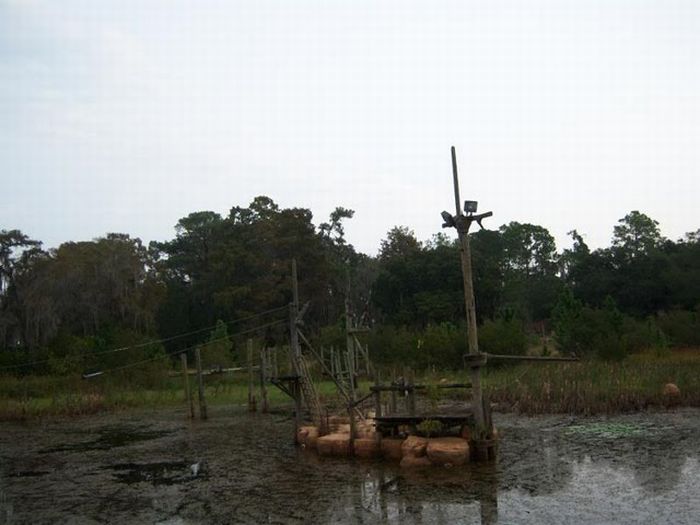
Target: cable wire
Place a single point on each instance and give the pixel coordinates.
(156, 341)
(181, 351)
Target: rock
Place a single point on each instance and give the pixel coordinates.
(391, 448)
(307, 436)
(311, 438)
(671, 390)
(366, 448)
(365, 430)
(449, 450)
(302, 432)
(333, 445)
(342, 428)
(414, 446)
(414, 462)
(335, 421)
(672, 394)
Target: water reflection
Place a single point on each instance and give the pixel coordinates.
(627, 469)
(543, 471)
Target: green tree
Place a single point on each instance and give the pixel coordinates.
(216, 352)
(635, 235)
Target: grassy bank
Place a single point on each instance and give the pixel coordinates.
(588, 387)
(592, 387)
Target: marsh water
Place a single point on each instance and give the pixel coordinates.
(158, 467)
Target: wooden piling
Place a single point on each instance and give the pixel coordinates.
(411, 396)
(377, 396)
(251, 394)
(264, 365)
(392, 406)
(188, 393)
(200, 385)
(296, 390)
(377, 407)
(462, 224)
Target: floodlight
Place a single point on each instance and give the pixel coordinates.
(470, 206)
(449, 220)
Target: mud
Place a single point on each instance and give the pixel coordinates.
(157, 467)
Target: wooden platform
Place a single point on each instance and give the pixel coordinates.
(390, 424)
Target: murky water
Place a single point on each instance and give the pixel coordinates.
(156, 467)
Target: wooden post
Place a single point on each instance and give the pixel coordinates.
(377, 396)
(296, 389)
(377, 407)
(188, 393)
(349, 344)
(332, 352)
(462, 225)
(264, 365)
(351, 404)
(251, 395)
(295, 349)
(200, 385)
(392, 406)
(411, 396)
(367, 365)
(293, 315)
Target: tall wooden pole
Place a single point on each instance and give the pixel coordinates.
(188, 393)
(294, 314)
(251, 394)
(264, 366)
(462, 224)
(295, 350)
(200, 385)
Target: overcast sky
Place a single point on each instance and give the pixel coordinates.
(125, 116)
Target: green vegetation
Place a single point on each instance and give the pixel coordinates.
(588, 387)
(113, 305)
(596, 386)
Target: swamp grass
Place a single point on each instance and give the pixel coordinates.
(586, 387)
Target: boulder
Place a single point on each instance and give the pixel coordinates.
(365, 430)
(342, 428)
(391, 448)
(307, 436)
(414, 462)
(414, 446)
(672, 394)
(302, 432)
(311, 438)
(366, 448)
(335, 421)
(671, 390)
(333, 445)
(448, 451)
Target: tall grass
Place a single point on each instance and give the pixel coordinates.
(586, 387)
(595, 386)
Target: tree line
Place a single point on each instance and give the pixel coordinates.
(643, 290)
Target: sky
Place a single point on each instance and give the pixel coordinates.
(124, 116)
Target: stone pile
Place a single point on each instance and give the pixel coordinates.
(413, 451)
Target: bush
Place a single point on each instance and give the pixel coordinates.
(682, 327)
(644, 335)
(503, 336)
(440, 345)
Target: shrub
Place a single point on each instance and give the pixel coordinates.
(503, 336)
(682, 327)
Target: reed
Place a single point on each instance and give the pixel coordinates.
(587, 387)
